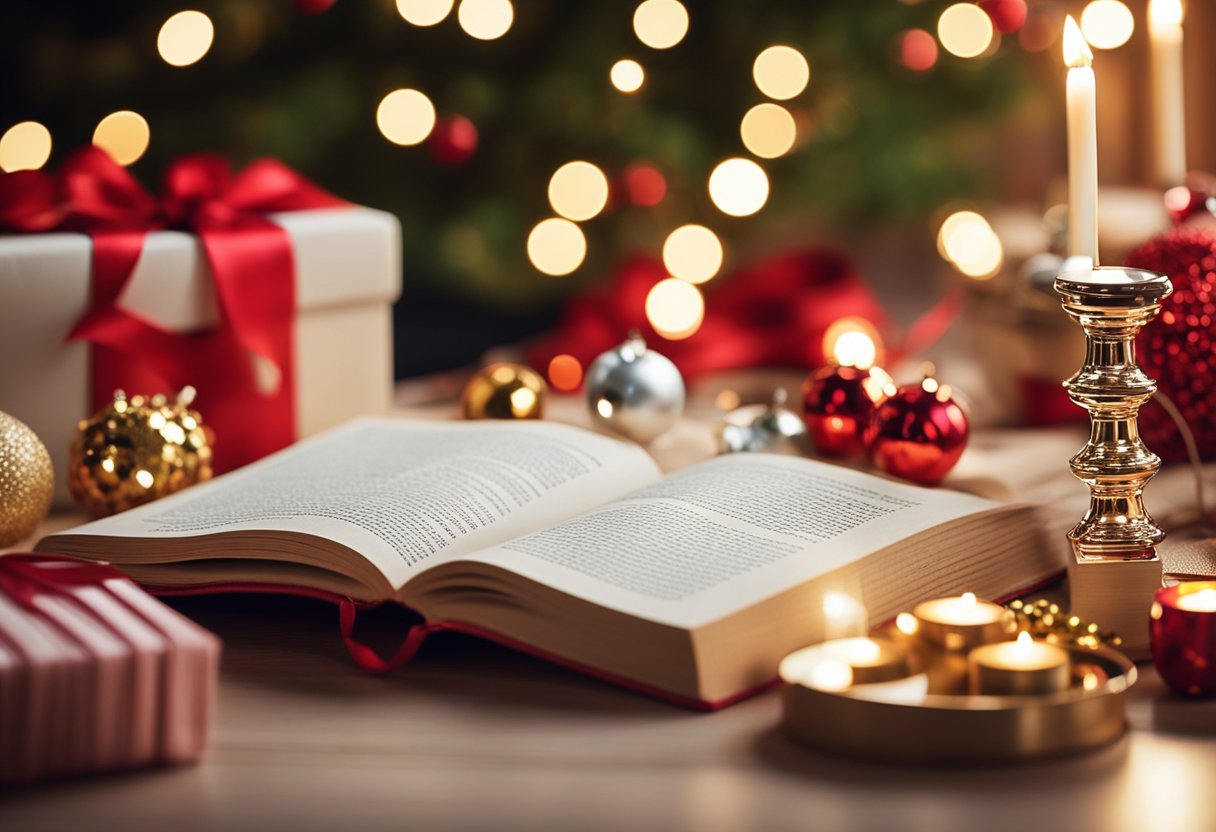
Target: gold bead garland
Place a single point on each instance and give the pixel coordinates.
(1046, 620)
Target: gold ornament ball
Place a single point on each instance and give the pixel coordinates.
(27, 480)
(504, 391)
(136, 450)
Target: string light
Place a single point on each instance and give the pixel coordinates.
(627, 75)
(692, 253)
(781, 72)
(917, 50)
(1107, 24)
(853, 342)
(738, 187)
(646, 185)
(968, 241)
(185, 38)
(578, 190)
(965, 30)
(556, 246)
(660, 24)
(424, 12)
(124, 135)
(565, 373)
(768, 130)
(675, 308)
(405, 117)
(24, 146)
(485, 19)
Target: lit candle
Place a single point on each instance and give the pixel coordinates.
(1169, 115)
(1082, 145)
(839, 664)
(1018, 668)
(1182, 632)
(958, 623)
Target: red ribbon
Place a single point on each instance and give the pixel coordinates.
(28, 574)
(774, 314)
(252, 268)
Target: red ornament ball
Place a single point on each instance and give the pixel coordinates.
(919, 433)
(1177, 348)
(1006, 15)
(838, 404)
(453, 140)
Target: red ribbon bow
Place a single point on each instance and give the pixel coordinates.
(253, 272)
(28, 574)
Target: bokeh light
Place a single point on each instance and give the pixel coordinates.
(578, 190)
(768, 130)
(965, 30)
(405, 117)
(968, 241)
(853, 342)
(781, 72)
(645, 185)
(556, 246)
(124, 135)
(675, 308)
(738, 187)
(917, 50)
(24, 146)
(424, 12)
(1107, 24)
(485, 19)
(692, 253)
(660, 24)
(627, 75)
(565, 373)
(185, 38)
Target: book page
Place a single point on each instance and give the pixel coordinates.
(724, 534)
(403, 494)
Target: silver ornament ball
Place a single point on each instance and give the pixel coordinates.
(771, 428)
(634, 391)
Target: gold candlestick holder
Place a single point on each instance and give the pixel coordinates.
(1115, 568)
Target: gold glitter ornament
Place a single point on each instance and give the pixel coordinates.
(504, 391)
(27, 480)
(1046, 620)
(136, 450)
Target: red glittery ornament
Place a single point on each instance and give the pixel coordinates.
(1006, 15)
(838, 404)
(453, 140)
(919, 433)
(1176, 348)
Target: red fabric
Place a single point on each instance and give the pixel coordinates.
(1046, 402)
(252, 267)
(771, 315)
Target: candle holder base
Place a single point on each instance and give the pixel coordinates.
(1116, 594)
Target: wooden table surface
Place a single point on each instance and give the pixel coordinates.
(474, 736)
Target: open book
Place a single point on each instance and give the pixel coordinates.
(573, 546)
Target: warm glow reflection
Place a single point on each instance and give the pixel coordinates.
(906, 623)
(405, 116)
(829, 675)
(781, 72)
(660, 24)
(853, 342)
(768, 130)
(1076, 50)
(424, 12)
(1162, 13)
(1202, 600)
(578, 190)
(185, 38)
(556, 246)
(565, 373)
(965, 30)
(24, 146)
(1107, 24)
(124, 135)
(692, 253)
(485, 19)
(738, 187)
(968, 241)
(627, 75)
(675, 308)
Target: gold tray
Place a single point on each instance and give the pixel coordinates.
(965, 729)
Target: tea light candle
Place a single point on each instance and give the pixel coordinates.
(958, 623)
(839, 664)
(1182, 634)
(1018, 668)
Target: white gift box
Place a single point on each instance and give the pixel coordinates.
(348, 273)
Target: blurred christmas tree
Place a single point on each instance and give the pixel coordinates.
(887, 126)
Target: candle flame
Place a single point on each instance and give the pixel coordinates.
(1076, 50)
(1165, 12)
(968, 599)
(1024, 640)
